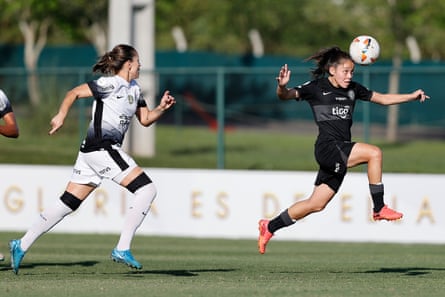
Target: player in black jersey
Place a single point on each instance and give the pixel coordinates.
(332, 96)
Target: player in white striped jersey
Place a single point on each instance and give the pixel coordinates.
(117, 98)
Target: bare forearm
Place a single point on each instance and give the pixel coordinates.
(390, 99)
(9, 131)
(284, 93)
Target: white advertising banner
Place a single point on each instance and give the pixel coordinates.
(229, 203)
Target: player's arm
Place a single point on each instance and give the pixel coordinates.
(147, 117)
(81, 91)
(389, 99)
(283, 92)
(10, 127)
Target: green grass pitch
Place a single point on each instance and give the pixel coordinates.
(79, 265)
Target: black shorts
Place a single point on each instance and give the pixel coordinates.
(332, 157)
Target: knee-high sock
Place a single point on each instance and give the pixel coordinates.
(377, 193)
(136, 214)
(47, 219)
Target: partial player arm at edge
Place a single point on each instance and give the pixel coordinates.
(10, 128)
(81, 91)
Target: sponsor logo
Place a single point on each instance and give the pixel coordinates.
(341, 98)
(342, 112)
(326, 93)
(105, 170)
(337, 167)
(76, 171)
(106, 88)
(124, 121)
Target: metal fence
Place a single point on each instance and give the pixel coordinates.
(243, 96)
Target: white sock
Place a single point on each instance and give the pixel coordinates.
(47, 219)
(136, 214)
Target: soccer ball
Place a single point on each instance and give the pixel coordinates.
(364, 50)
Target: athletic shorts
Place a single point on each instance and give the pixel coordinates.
(332, 157)
(92, 167)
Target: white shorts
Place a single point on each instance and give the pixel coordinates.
(91, 168)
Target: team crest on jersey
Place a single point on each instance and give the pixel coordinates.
(351, 94)
(130, 99)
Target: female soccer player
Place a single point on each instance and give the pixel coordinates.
(332, 96)
(117, 98)
(9, 128)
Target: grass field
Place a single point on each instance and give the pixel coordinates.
(79, 265)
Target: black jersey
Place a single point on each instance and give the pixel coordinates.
(332, 107)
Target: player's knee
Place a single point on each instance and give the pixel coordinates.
(70, 200)
(140, 181)
(317, 206)
(376, 153)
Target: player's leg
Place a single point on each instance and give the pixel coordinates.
(363, 153)
(133, 178)
(144, 193)
(67, 203)
(83, 182)
(316, 202)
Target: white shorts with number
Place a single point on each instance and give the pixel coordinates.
(91, 168)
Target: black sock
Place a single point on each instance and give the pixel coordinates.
(283, 220)
(377, 196)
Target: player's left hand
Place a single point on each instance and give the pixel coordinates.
(167, 101)
(420, 95)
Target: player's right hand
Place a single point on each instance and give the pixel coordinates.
(283, 76)
(56, 123)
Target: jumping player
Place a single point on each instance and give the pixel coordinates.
(117, 98)
(332, 96)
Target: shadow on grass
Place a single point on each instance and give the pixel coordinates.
(7, 266)
(179, 272)
(411, 271)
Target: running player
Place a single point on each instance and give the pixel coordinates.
(9, 128)
(117, 98)
(332, 96)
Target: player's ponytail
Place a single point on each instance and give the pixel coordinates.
(326, 58)
(111, 62)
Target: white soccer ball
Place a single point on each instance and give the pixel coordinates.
(364, 50)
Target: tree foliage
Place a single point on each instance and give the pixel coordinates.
(287, 27)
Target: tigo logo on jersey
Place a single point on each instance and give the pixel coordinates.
(342, 112)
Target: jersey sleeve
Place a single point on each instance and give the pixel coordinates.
(5, 105)
(141, 100)
(101, 87)
(363, 93)
(305, 90)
